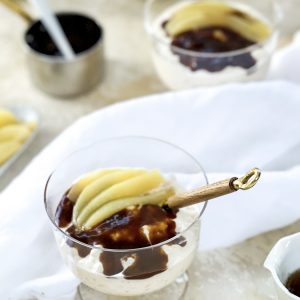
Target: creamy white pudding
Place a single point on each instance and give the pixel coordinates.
(119, 236)
(89, 269)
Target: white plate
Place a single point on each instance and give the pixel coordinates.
(23, 114)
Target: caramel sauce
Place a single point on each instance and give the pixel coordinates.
(293, 283)
(137, 227)
(212, 39)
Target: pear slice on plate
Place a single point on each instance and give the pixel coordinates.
(15, 132)
(6, 118)
(18, 127)
(7, 150)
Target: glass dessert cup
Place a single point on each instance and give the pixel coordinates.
(180, 68)
(161, 266)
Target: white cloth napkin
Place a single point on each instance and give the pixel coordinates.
(228, 129)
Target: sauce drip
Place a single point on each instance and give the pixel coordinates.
(137, 227)
(212, 39)
(293, 283)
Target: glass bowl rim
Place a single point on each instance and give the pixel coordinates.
(100, 248)
(275, 29)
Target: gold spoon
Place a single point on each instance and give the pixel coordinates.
(18, 9)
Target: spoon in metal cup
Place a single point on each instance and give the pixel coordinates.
(54, 29)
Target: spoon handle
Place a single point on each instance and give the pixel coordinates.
(18, 9)
(215, 190)
(54, 29)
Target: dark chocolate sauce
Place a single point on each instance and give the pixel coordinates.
(64, 212)
(213, 39)
(82, 33)
(293, 283)
(124, 230)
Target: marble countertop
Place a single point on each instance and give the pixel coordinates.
(236, 271)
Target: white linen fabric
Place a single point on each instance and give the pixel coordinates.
(229, 129)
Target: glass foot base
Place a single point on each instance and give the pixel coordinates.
(174, 291)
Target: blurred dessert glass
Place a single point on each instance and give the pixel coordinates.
(143, 270)
(205, 43)
(290, 16)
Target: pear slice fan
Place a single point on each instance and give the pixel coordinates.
(12, 134)
(99, 195)
(209, 13)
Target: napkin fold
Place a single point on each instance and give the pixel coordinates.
(229, 129)
(61, 286)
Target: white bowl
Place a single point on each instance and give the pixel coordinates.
(283, 260)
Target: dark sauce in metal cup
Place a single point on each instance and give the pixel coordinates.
(50, 71)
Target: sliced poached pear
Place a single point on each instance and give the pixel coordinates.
(90, 193)
(86, 180)
(206, 14)
(133, 187)
(110, 208)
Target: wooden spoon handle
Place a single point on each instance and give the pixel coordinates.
(205, 193)
(215, 190)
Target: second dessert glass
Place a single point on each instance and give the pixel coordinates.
(176, 66)
(150, 281)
